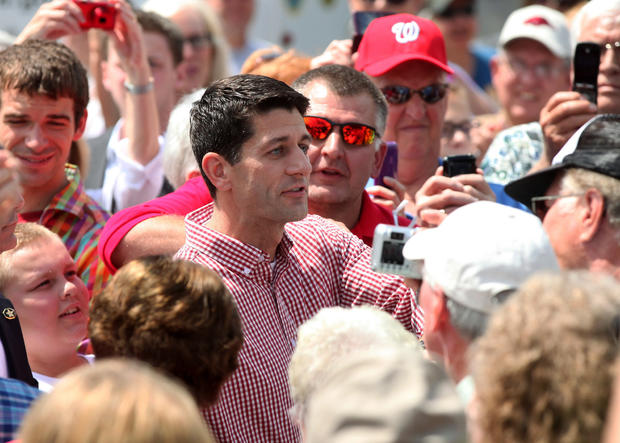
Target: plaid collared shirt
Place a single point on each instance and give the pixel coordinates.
(317, 265)
(15, 399)
(79, 220)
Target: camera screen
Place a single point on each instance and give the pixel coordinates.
(392, 253)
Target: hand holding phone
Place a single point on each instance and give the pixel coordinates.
(458, 165)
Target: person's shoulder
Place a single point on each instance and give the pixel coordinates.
(17, 390)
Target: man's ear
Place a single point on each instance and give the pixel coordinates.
(80, 126)
(436, 313)
(593, 212)
(217, 170)
(378, 159)
(494, 66)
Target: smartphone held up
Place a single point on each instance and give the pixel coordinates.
(585, 69)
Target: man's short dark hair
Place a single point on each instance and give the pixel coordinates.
(221, 121)
(48, 68)
(346, 82)
(177, 316)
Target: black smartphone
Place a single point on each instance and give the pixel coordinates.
(458, 164)
(585, 69)
(361, 20)
(390, 164)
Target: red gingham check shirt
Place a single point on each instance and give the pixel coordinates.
(317, 265)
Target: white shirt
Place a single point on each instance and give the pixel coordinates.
(127, 182)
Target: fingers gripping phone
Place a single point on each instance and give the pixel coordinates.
(101, 15)
(585, 69)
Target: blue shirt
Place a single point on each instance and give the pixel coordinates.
(15, 399)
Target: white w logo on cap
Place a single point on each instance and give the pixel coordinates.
(406, 32)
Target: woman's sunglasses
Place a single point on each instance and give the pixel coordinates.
(356, 134)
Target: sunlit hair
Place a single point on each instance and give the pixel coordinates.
(221, 54)
(336, 332)
(176, 315)
(544, 367)
(26, 234)
(120, 401)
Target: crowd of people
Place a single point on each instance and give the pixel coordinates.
(187, 218)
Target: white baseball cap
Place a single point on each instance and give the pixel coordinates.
(542, 24)
(481, 250)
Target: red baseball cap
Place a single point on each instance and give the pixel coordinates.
(398, 38)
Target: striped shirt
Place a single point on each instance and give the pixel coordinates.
(316, 265)
(78, 220)
(15, 399)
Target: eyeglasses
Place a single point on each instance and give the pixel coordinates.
(397, 95)
(199, 41)
(540, 207)
(541, 71)
(455, 11)
(356, 134)
(451, 128)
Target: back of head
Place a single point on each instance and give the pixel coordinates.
(221, 121)
(334, 333)
(45, 67)
(179, 159)
(157, 24)
(387, 395)
(554, 344)
(115, 401)
(177, 316)
(482, 252)
(346, 82)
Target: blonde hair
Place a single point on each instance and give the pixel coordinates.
(115, 401)
(26, 234)
(544, 368)
(221, 55)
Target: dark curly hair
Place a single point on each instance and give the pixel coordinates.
(176, 315)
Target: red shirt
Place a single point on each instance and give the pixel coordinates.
(193, 195)
(317, 265)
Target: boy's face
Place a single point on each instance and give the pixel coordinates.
(38, 130)
(51, 299)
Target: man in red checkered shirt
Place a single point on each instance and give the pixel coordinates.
(280, 264)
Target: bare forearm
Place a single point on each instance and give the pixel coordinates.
(162, 235)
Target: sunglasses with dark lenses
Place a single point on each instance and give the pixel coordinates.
(451, 12)
(397, 95)
(356, 134)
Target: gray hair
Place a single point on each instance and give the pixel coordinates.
(591, 10)
(577, 181)
(336, 332)
(179, 159)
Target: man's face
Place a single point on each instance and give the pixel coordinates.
(562, 228)
(38, 130)
(415, 125)
(525, 77)
(460, 27)
(397, 6)
(270, 182)
(339, 170)
(602, 30)
(165, 75)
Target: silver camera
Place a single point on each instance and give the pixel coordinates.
(387, 252)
